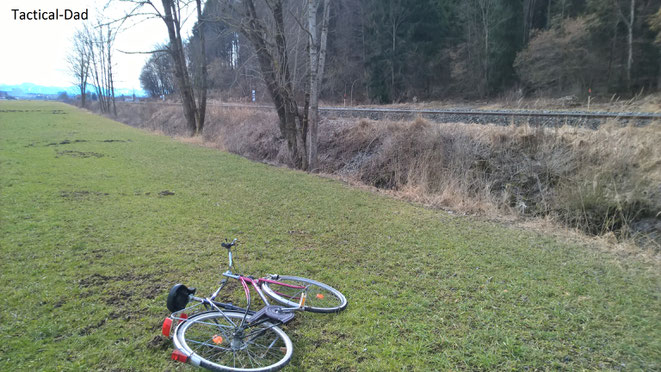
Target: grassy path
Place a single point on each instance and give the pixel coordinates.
(90, 242)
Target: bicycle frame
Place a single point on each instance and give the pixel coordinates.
(256, 283)
(247, 282)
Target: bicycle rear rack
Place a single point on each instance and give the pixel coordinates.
(272, 312)
(182, 315)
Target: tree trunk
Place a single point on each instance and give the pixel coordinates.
(180, 71)
(485, 12)
(296, 48)
(629, 22)
(392, 52)
(317, 64)
(274, 66)
(111, 83)
(528, 14)
(630, 25)
(84, 73)
(364, 54)
(202, 104)
(611, 54)
(314, 92)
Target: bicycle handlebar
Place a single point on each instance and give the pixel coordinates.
(229, 245)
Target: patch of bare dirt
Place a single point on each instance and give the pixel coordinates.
(79, 154)
(66, 142)
(81, 194)
(158, 342)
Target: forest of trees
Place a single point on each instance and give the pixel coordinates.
(385, 51)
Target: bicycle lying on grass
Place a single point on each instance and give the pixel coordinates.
(223, 337)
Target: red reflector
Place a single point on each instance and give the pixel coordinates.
(183, 316)
(179, 356)
(167, 327)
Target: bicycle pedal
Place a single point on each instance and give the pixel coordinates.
(274, 313)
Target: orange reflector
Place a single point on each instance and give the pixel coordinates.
(320, 296)
(217, 339)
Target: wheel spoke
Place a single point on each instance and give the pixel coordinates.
(214, 324)
(207, 344)
(262, 346)
(252, 359)
(258, 332)
(268, 350)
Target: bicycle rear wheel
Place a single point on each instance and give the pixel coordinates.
(215, 341)
(321, 298)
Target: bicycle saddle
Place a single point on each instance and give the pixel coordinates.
(178, 297)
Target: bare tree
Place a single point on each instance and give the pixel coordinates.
(317, 62)
(264, 25)
(271, 48)
(99, 42)
(79, 64)
(397, 14)
(193, 111)
(156, 76)
(528, 16)
(172, 13)
(655, 24)
(628, 20)
(202, 75)
(473, 56)
(486, 20)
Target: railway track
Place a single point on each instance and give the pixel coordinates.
(503, 117)
(552, 118)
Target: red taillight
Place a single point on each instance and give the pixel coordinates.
(179, 356)
(167, 327)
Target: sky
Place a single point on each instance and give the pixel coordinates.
(35, 51)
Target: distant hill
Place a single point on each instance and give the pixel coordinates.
(27, 89)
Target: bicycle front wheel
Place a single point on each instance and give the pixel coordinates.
(320, 297)
(218, 342)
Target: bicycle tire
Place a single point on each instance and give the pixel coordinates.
(321, 298)
(197, 337)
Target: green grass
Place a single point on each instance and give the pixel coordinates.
(89, 248)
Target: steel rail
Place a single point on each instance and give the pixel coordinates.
(536, 113)
(465, 112)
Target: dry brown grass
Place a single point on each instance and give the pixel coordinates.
(513, 100)
(602, 182)
(250, 133)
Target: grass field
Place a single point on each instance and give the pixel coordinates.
(98, 220)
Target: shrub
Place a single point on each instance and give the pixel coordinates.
(559, 59)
